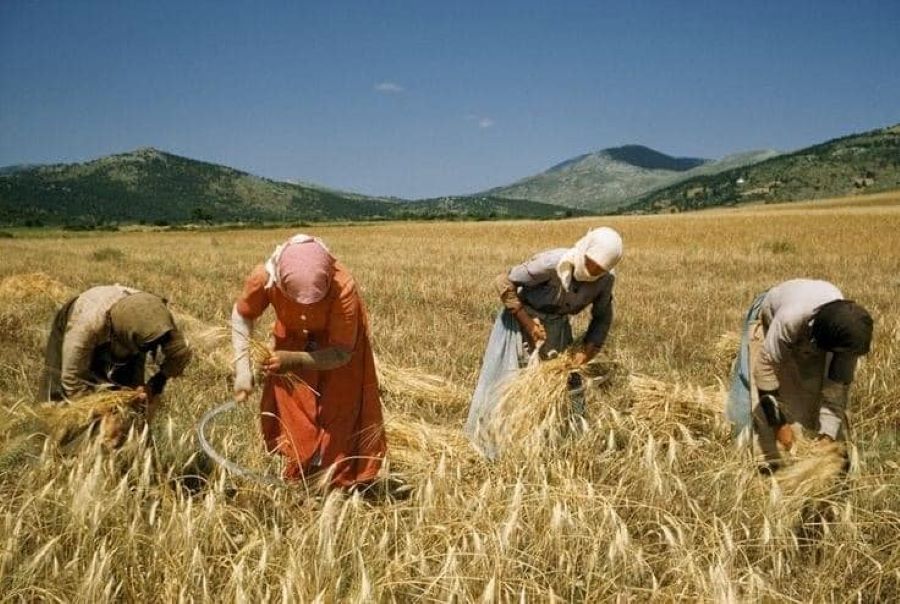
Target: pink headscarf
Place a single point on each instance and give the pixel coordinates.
(305, 270)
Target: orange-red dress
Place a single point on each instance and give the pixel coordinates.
(342, 425)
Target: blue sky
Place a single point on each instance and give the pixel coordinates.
(420, 99)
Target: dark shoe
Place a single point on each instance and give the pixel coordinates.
(768, 468)
(387, 489)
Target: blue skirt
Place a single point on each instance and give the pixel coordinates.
(502, 358)
(738, 408)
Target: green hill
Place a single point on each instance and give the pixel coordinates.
(151, 186)
(859, 163)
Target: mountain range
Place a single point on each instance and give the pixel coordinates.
(156, 187)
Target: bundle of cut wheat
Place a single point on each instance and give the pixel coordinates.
(107, 414)
(534, 406)
(416, 446)
(28, 285)
(413, 383)
(812, 468)
(673, 409)
(800, 495)
(114, 412)
(725, 350)
(260, 352)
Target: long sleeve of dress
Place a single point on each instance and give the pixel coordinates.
(535, 271)
(601, 320)
(251, 303)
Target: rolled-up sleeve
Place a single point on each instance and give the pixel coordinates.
(508, 292)
(601, 319)
(834, 407)
(253, 300)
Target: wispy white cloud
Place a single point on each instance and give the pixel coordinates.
(389, 88)
(482, 121)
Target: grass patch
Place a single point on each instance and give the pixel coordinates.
(778, 247)
(108, 254)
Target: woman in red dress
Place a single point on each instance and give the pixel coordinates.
(320, 403)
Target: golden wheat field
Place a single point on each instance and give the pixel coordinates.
(649, 501)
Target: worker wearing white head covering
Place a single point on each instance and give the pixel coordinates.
(602, 245)
(539, 297)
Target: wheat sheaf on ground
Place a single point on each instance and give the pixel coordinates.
(116, 410)
(23, 286)
(813, 467)
(106, 417)
(673, 408)
(533, 409)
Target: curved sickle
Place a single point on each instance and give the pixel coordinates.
(219, 458)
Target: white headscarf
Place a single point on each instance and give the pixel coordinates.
(602, 245)
(272, 263)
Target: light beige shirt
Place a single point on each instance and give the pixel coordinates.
(87, 329)
(786, 314)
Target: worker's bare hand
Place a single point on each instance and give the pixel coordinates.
(281, 361)
(785, 435)
(274, 364)
(243, 382)
(826, 445)
(538, 333)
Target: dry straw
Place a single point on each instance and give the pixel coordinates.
(27, 285)
(117, 410)
(639, 519)
(416, 446)
(673, 409)
(212, 341)
(534, 407)
(724, 350)
(416, 384)
(812, 468)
